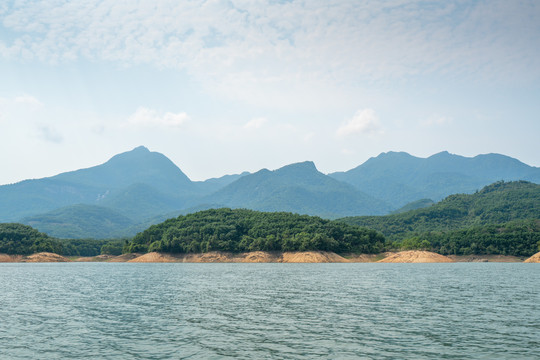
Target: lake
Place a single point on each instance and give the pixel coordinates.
(277, 311)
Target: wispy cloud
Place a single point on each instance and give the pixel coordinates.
(255, 123)
(28, 100)
(363, 122)
(152, 118)
(244, 45)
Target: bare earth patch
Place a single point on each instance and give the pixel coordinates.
(366, 258)
(124, 257)
(258, 257)
(485, 258)
(45, 257)
(154, 257)
(5, 258)
(534, 259)
(312, 257)
(416, 257)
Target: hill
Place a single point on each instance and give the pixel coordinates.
(299, 188)
(19, 239)
(497, 203)
(418, 204)
(247, 230)
(78, 221)
(399, 178)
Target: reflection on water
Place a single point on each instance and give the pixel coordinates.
(279, 311)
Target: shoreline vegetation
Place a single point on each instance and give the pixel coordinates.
(411, 256)
(498, 223)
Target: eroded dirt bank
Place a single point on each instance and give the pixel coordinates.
(534, 259)
(415, 256)
(271, 257)
(249, 257)
(485, 258)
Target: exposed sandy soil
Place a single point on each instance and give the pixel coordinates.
(534, 259)
(273, 257)
(99, 258)
(311, 257)
(257, 257)
(45, 257)
(485, 258)
(366, 258)
(5, 258)
(416, 257)
(249, 257)
(124, 257)
(154, 257)
(209, 257)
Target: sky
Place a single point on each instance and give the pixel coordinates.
(222, 87)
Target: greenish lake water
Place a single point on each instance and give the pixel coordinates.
(276, 311)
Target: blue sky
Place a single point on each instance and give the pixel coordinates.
(226, 86)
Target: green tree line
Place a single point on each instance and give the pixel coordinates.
(19, 239)
(241, 230)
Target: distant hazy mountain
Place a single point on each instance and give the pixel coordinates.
(399, 178)
(80, 221)
(418, 204)
(96, 185)
(138, 188)
(138, 166)
(299, 188)
(214, 184)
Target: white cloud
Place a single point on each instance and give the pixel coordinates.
(255, 123)
(245, 49)
(27, 100)
(151, 118)
(14, 107)
(363, 122)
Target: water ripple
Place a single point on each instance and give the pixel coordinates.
(278, 311)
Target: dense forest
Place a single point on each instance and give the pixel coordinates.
(502, 218)
(18, 239)
(498, 203)
(247, 230)
(518, 238)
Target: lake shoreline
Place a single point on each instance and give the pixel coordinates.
(266, 257)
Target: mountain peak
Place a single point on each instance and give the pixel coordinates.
(441, 154)
(302, 166)
(140, 148)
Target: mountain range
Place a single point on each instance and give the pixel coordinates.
(138, 188)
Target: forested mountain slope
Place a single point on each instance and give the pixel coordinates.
(497, 203)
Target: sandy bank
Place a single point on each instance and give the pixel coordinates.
(485, 258)
(366, 258)
(248, 257)
(534, 259)
(312, 257)
(124, 257)
(414, 256)
(154, 257)
(271, 257)
(99, 258)
(45, 257)
(5, 258)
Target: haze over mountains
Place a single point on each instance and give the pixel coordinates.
(138, 188)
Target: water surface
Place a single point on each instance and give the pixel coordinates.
(278, 311)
